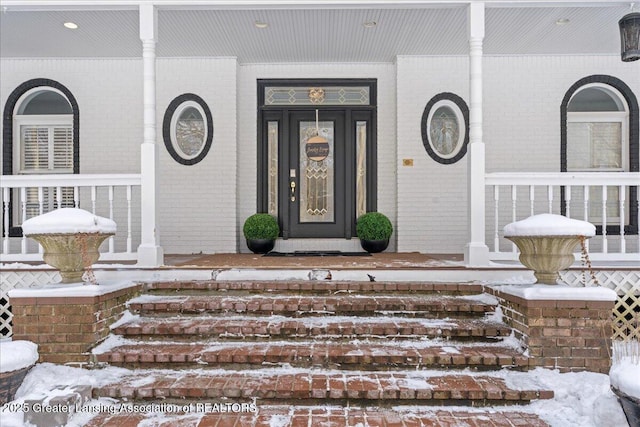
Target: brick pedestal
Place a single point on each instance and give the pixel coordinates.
(565, 334)
(67, 327)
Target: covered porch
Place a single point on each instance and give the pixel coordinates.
(163, 42)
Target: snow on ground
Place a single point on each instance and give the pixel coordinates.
(625, 371)
(15, 355)
(550, 225)
(581, 399)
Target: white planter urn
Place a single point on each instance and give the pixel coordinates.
(547, 243)
(70, 238)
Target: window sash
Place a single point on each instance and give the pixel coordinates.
(44, 144)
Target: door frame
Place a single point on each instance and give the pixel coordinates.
(281, 114)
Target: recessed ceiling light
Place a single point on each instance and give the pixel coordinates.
(562, 21)
(261, 24)
(71, 25)
(369, 24)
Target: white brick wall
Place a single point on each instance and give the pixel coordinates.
(247, 104)
(432, 208)
(109, 96)
(426, 202)
(522, 105)
(521, 111)
(198, 203)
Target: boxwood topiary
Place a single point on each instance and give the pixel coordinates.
(374, 226)
(261, 226)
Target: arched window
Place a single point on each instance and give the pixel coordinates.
(600, 134)
(40, 137)
(597, 130)
(43, 133)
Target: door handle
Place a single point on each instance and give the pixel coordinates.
(292, 185)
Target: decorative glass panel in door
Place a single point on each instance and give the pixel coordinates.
(316, 172)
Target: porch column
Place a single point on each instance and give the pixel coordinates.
(476, 252)
(149, 252)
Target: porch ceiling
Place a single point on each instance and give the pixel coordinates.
(327, 34)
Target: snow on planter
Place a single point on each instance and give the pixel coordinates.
(16, 359)
(68, 220)
(15, 355)
(549, 225)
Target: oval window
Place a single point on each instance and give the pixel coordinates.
(445, 128)
(188, 129)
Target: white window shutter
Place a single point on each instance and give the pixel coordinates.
(35, 148)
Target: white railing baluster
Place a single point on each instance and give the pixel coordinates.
(514, 211)
(622, 202)
(93, 199)
(566, 184)
(23, 202)
(129, 247)
(39, 188)
(40, 200)
(112, 238)
(604, 219)
(496, 218)
(58, 197)
(41, 211)
(532, 199)
(586, 203)
(5, 217)
(586, 193)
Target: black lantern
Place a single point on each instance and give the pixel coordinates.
(630, 36)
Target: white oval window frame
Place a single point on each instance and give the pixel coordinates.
(171, 116)
(461, 112)
(174, 122)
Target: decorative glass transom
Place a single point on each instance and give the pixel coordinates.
(329, 95)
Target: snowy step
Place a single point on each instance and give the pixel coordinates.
(321, 387)
(314, 287)
(334, 327)
(354, 355)
(297, 306)
(269, 416)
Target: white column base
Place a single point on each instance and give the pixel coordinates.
(150, 256)
(476, 254)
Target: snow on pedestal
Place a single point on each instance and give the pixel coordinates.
(68, 220)
(546, 243)
(70, 238)
(549, 225)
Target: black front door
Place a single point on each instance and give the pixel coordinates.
(318, 172)
(317, 155)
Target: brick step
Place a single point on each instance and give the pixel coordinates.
(321, 387)
(269, 416)
(336, 327)
(298, 306)
(356, 355)
(313, 287)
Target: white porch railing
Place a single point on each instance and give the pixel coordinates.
(112, 196)
(602, 198)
